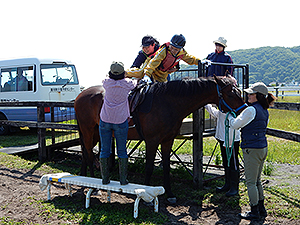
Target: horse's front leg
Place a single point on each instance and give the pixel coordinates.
(151, 149)
(166, 150)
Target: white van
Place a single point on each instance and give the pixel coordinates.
(33, 79)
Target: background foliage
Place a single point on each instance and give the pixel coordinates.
(268, 64)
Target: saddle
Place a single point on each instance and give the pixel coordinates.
(140, 100)
(137, 96)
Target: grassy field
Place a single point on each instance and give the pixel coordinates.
(280, 150)
(68, 209)
(294, 99)
(282, 201)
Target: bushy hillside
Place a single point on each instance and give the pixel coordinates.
(269, 64)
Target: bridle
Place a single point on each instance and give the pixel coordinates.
(222, 101)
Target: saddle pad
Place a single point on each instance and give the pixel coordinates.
(146, 105)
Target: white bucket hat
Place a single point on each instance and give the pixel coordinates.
(259, 87)
(221, 41)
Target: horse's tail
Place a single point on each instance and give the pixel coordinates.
(83, 152)
(80, 136)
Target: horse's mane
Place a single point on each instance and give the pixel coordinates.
(184, 88)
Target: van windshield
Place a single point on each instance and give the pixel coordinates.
(58, 74)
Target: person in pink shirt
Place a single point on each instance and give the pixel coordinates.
(114, 120)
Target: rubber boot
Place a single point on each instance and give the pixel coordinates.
(226, 186)
(104, 165)
(261, 208)
(123, 165)
(234, 183)
(251, 215)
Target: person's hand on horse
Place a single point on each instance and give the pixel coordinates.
(147, 79)
(206, 62)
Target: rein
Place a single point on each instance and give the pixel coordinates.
(233, 112)
(229, 149)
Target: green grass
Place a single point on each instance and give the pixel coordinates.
(293, 99)
(279, 150)
(281, 202)
(25, 136)
(284, 120)
(68, 208)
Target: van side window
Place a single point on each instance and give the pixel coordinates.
(17, 79)
(58, 74)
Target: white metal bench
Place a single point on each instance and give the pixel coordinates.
(147, 193)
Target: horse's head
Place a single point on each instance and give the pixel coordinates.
(230, 97)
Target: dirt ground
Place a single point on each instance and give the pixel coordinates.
(17, 187)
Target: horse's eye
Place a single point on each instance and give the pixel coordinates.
(236, 90)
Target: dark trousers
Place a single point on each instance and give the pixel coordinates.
(234, 160)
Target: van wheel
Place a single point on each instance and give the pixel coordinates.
(4, 129)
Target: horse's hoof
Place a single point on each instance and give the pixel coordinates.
(172, 200)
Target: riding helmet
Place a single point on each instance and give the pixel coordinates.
(178, 41)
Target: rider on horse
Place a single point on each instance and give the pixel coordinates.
(165, 61)
(149, 46)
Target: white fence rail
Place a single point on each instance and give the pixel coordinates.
(285, 91)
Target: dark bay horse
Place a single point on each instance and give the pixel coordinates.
(172, 102)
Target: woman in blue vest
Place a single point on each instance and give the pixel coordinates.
(253, 122)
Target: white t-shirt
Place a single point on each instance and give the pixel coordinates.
(220, 129)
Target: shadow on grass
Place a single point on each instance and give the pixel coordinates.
(102, 212)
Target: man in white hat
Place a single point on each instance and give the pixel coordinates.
(219, 56)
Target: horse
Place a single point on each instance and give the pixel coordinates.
(172, 102)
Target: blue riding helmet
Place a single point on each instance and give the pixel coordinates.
(178, 41)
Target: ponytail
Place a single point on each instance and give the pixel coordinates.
(271, 99)
(265, 102)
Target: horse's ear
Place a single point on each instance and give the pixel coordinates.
(218, 79)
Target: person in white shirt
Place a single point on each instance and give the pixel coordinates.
(232, 173)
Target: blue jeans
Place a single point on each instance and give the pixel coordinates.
(120, 132)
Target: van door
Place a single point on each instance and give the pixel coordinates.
(62, 93)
